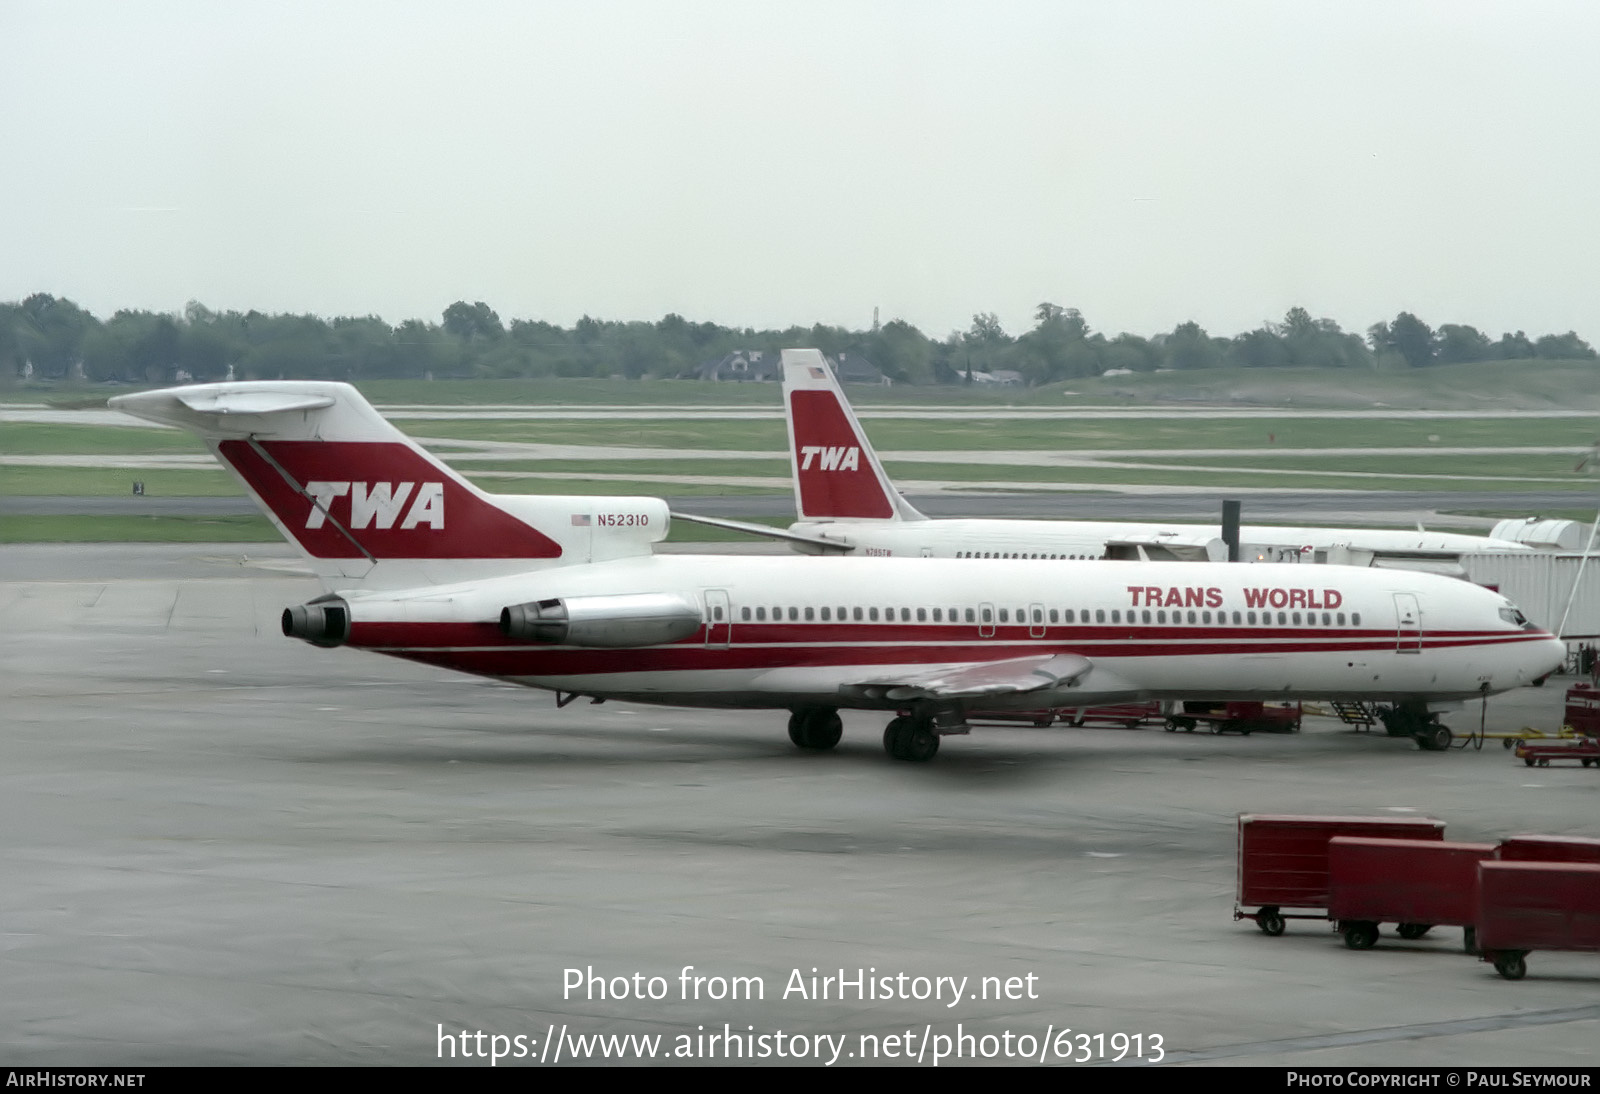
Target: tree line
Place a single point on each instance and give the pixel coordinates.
(48, 338)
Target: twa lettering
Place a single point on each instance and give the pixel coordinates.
(829, 458)
(379, 505)
(1154, 596)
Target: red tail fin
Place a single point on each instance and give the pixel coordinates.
(836, 473)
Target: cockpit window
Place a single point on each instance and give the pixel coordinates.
(1513, 616)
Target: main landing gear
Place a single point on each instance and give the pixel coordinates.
(911, 738)
(1414, 721)
(816, 729)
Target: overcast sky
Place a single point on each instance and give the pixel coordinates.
(768, 164)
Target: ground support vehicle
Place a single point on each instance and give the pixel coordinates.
(1283, 861)
(1586, 751)
(1550, 849)
(1237, 717)
(1417, 884)
(1527, 906)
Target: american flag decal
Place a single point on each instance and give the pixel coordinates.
(581, 520)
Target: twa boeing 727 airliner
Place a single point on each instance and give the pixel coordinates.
(846, 503)
(565, 594)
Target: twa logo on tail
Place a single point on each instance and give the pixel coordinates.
(379, 505)
(830, 457)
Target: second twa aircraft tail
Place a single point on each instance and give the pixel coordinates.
(836, 474)
(369, 506)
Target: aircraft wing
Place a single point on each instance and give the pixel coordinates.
(971, 681)
(766, 530)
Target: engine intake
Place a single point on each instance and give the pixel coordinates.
(613, 622)
(322, 623)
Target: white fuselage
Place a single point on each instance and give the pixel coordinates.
(1083, 539)
(783, 632)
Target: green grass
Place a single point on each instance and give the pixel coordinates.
(41, 439)
(101, 482)
(107, 529)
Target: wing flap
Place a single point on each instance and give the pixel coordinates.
(972, 680)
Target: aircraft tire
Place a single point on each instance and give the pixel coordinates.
(895, 735)
(815, 729)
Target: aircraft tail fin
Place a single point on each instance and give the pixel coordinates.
(367, 505)
(836, 473)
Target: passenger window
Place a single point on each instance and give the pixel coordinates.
(1283, 618)
(905, 615)
(938, 615)
(1205, 617)
(872, 614)
(761, 614)
(970, 617)
(744, 614)
(794, 615)
(988, 614)
(1147, 615)
(1005, 615)
(1235, 619)
(1341, 619)
(1116, 615)
(1250, 618)
(1355, 619)
(1327, 620)
(856, 614)
(810, 614)
(1296, 619)
(1161, 616)
(1052, 615)
(826, 614)
(1191, 615)
(1099, 615)
(716, 611)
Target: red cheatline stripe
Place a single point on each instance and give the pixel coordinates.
(563, 661)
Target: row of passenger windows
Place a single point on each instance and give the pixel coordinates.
(1019, 554)
(1040, 616)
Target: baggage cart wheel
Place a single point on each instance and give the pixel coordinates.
(1360, 935)
(1528, 760)
(1172, 725)
(1410, 931)
(1270, 922)
(1469, 940)
(1511, 964)
(1507, 744)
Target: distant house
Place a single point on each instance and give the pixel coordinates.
(755, 364)
(744, 364)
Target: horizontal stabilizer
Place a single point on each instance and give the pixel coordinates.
(1021, 674)
(820, 544)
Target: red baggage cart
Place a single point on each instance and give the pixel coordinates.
(1417, 884)
(1242, 716)
(1526, 906)
(1130, 715)
(1586, 750)
(1582, 711)
(1283, 861)
(1549, 849)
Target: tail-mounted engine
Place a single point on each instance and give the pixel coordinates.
(323, 622)
(641, 619)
